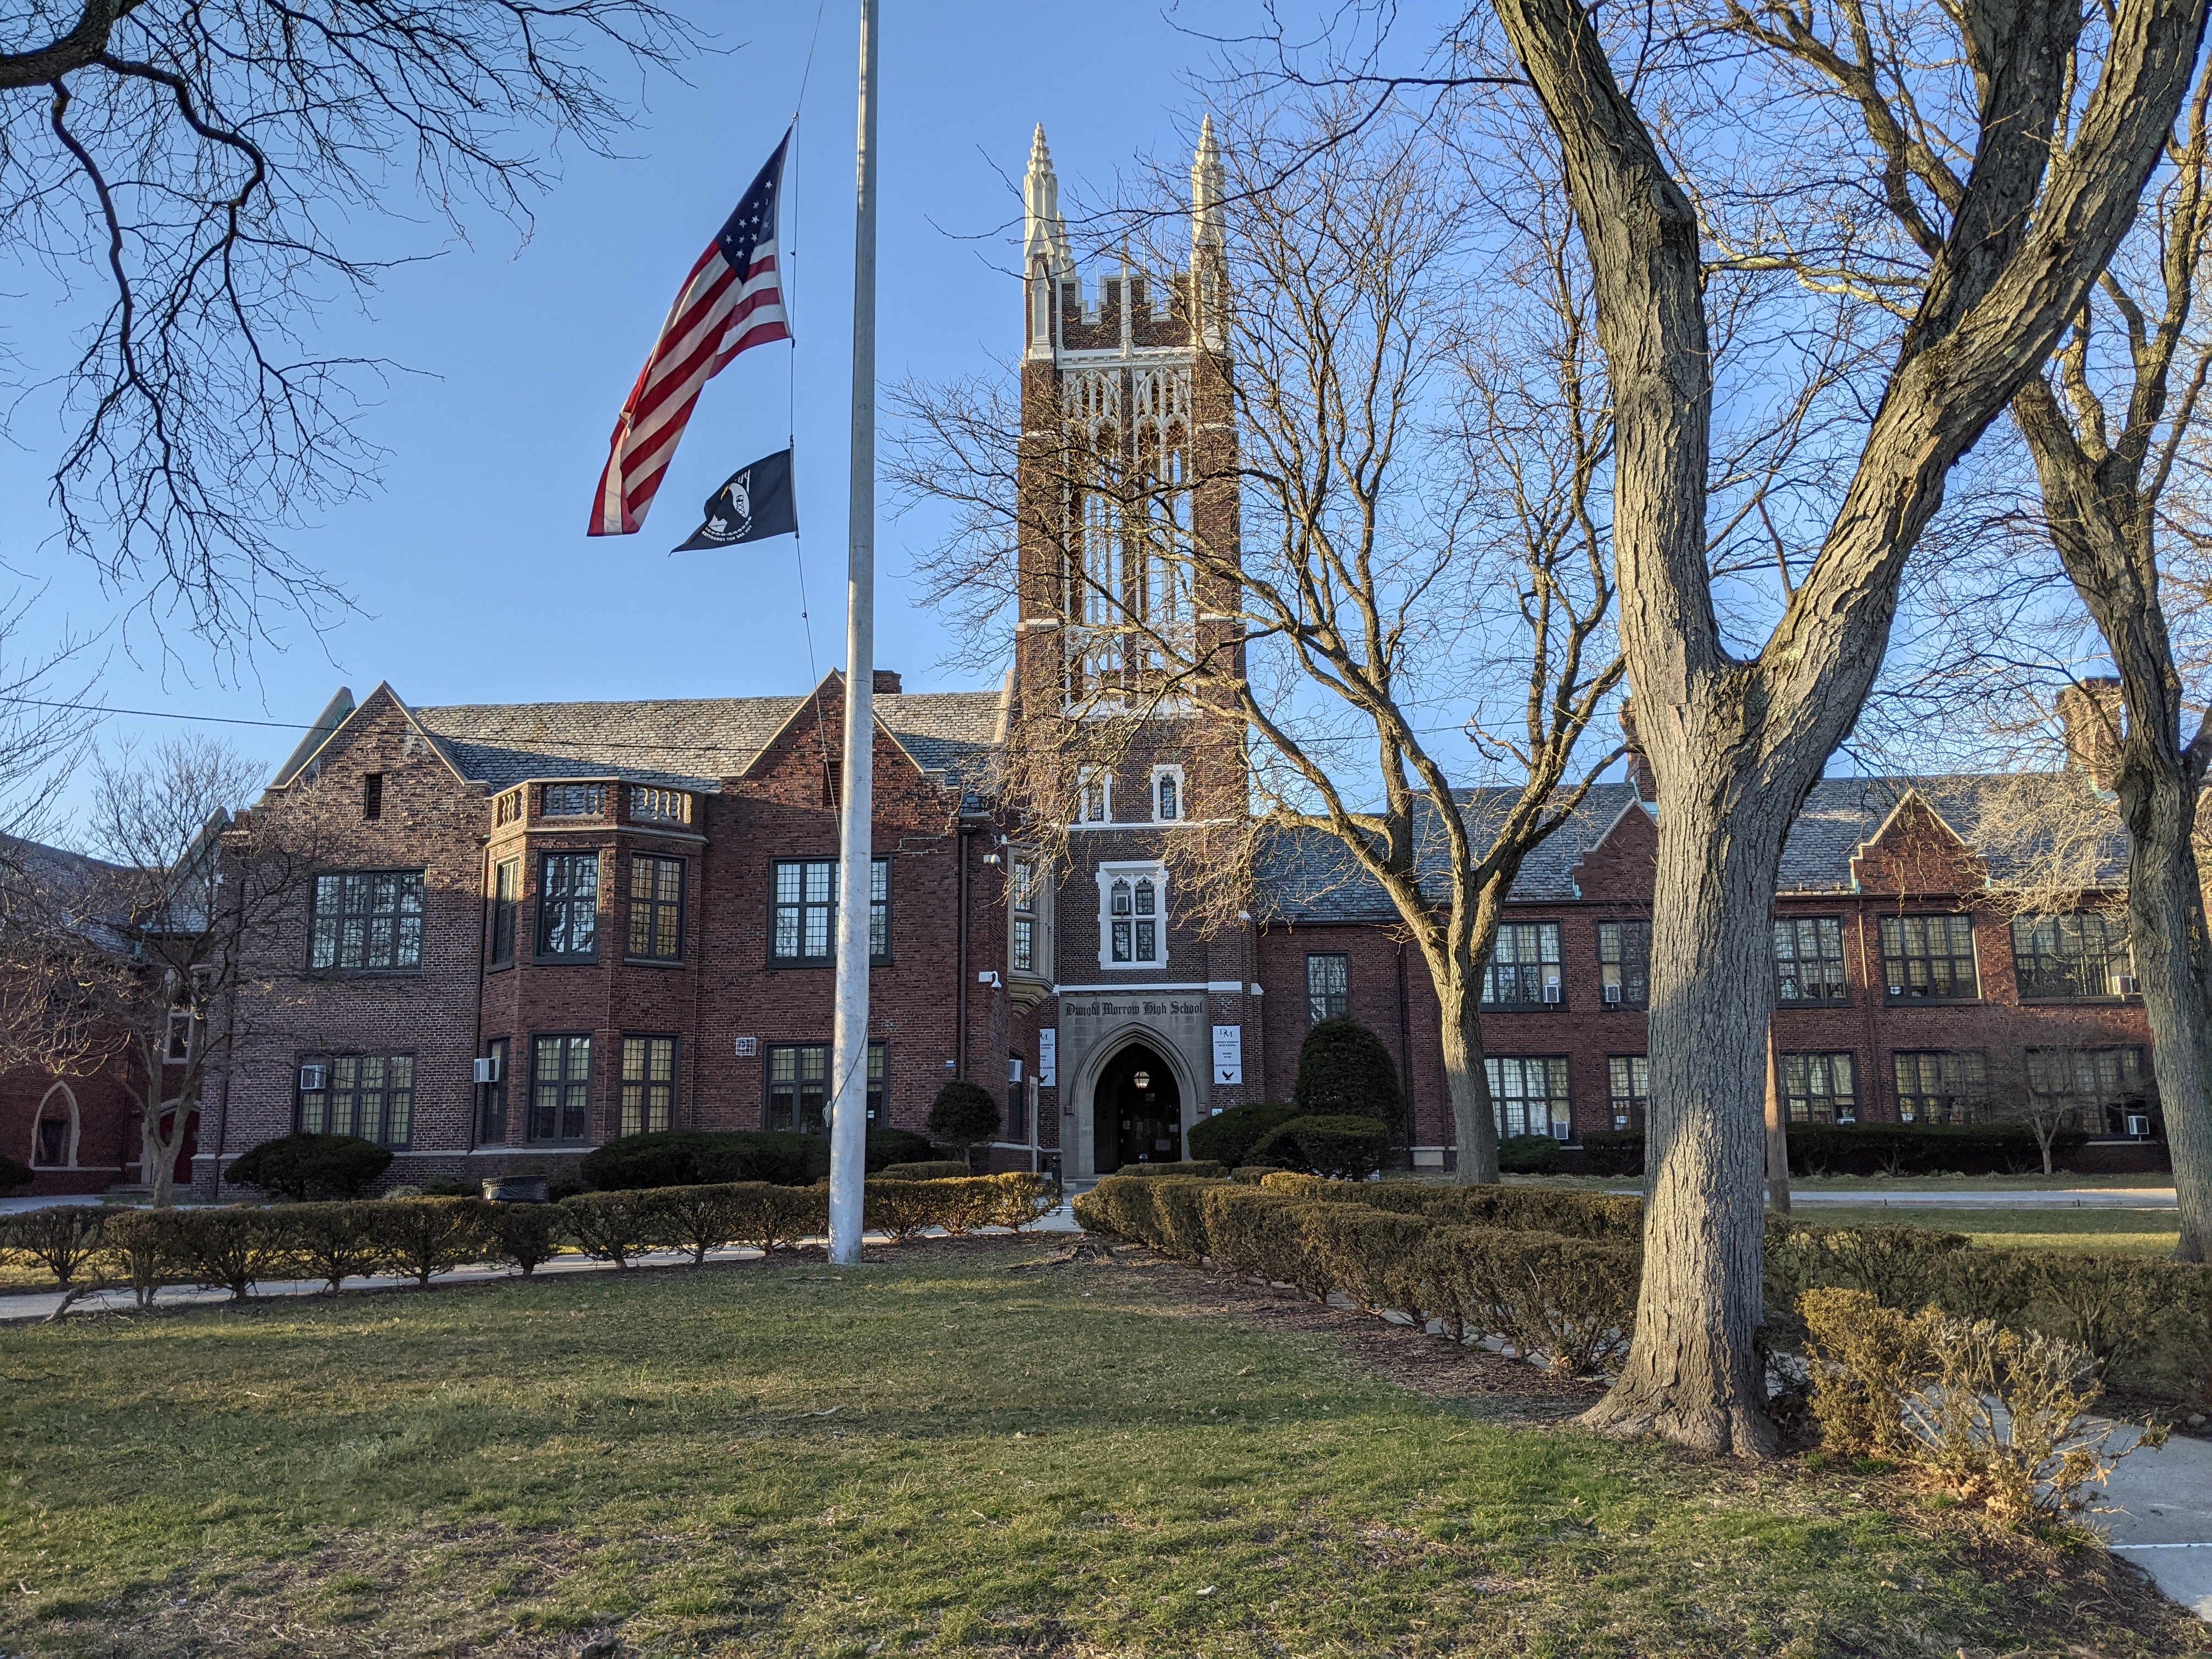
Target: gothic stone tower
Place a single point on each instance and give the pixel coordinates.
(1127, 583)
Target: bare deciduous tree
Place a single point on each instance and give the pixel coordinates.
(2071, 116)
(203, 169)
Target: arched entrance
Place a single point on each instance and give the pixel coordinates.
(1136, 1110)
(55, 1130)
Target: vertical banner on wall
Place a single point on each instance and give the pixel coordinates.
(1049, 1056)
(1229, 1054)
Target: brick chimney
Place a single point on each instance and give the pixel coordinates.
(887, 683)
(2089, 712)
(1640, 763)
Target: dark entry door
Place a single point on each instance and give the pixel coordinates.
(1139, 1111)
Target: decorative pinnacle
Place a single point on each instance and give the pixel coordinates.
(1208, 184)
(1044, 233)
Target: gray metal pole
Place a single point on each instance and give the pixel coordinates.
(848, 1143)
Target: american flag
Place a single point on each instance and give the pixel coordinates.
(732, 300)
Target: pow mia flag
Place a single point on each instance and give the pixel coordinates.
(755, 504)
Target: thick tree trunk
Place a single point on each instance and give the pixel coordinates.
(1474, 1118)
(157, 1155)
(2173, 961)
(1694, 1373)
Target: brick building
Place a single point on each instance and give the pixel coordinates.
(543, 926)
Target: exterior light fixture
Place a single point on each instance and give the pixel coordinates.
(1142, 1079)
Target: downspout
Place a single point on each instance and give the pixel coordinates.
(960, 947)
(1406, 1053)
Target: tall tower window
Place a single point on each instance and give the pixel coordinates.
(1168, 804)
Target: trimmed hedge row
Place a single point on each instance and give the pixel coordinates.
(1556, 1275)
(1866, 1149)
(691, 1158)
(236, 1246)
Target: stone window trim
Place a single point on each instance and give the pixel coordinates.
(1028, 917)
(802, 907)
(1169, 795)
(1133, 938)
(56, 1128)
(1094, 799)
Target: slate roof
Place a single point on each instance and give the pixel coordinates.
(1307, 875)
(691, 742)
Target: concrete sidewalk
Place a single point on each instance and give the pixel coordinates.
(2157, 1508)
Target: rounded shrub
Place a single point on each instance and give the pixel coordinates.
(13, 1175)
(1229, 1137)
(1344, 1071)
(1527, 1154)
(1346, 1147)
(964, 1114)
(304, 1167)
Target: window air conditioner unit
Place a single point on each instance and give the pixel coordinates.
(2139, 1125)
(1551, 990)
(313, 1079)
(1613, 995)
(2125, 985)
(1562, 1130)
(1897, 990)
(487, 1068)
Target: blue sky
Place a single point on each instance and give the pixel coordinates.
(475, 580)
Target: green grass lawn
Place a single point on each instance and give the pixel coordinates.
(2122, 1233)
(930, 1454)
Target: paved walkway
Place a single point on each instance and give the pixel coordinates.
(2158, 1509)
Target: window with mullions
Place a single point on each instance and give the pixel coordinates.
(1022, 955)
(804, 931)
(656, 909)
(2072, 956)
(1132, 912)
(648, 1087)
(1929, 958)
(560, 1088)
(1624, 963)
(1529, 1095)
(492, 1105)
(1328, 985)
(505, 899)
(568, 906)
(1820, 1088)
(2096, 1089)
(368, 1095)
(1941, 1086)
(1522, 968)
(1809, 959)
(1630, 1076)
(799, 1092)
(369, 920)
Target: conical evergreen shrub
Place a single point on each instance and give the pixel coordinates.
(1345, 1071)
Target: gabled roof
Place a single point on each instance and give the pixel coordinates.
(1306, 876)
(689, 742)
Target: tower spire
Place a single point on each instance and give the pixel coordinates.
(1044, 233)
(1208, 184)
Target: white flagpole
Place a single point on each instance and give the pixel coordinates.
(848, 1123)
